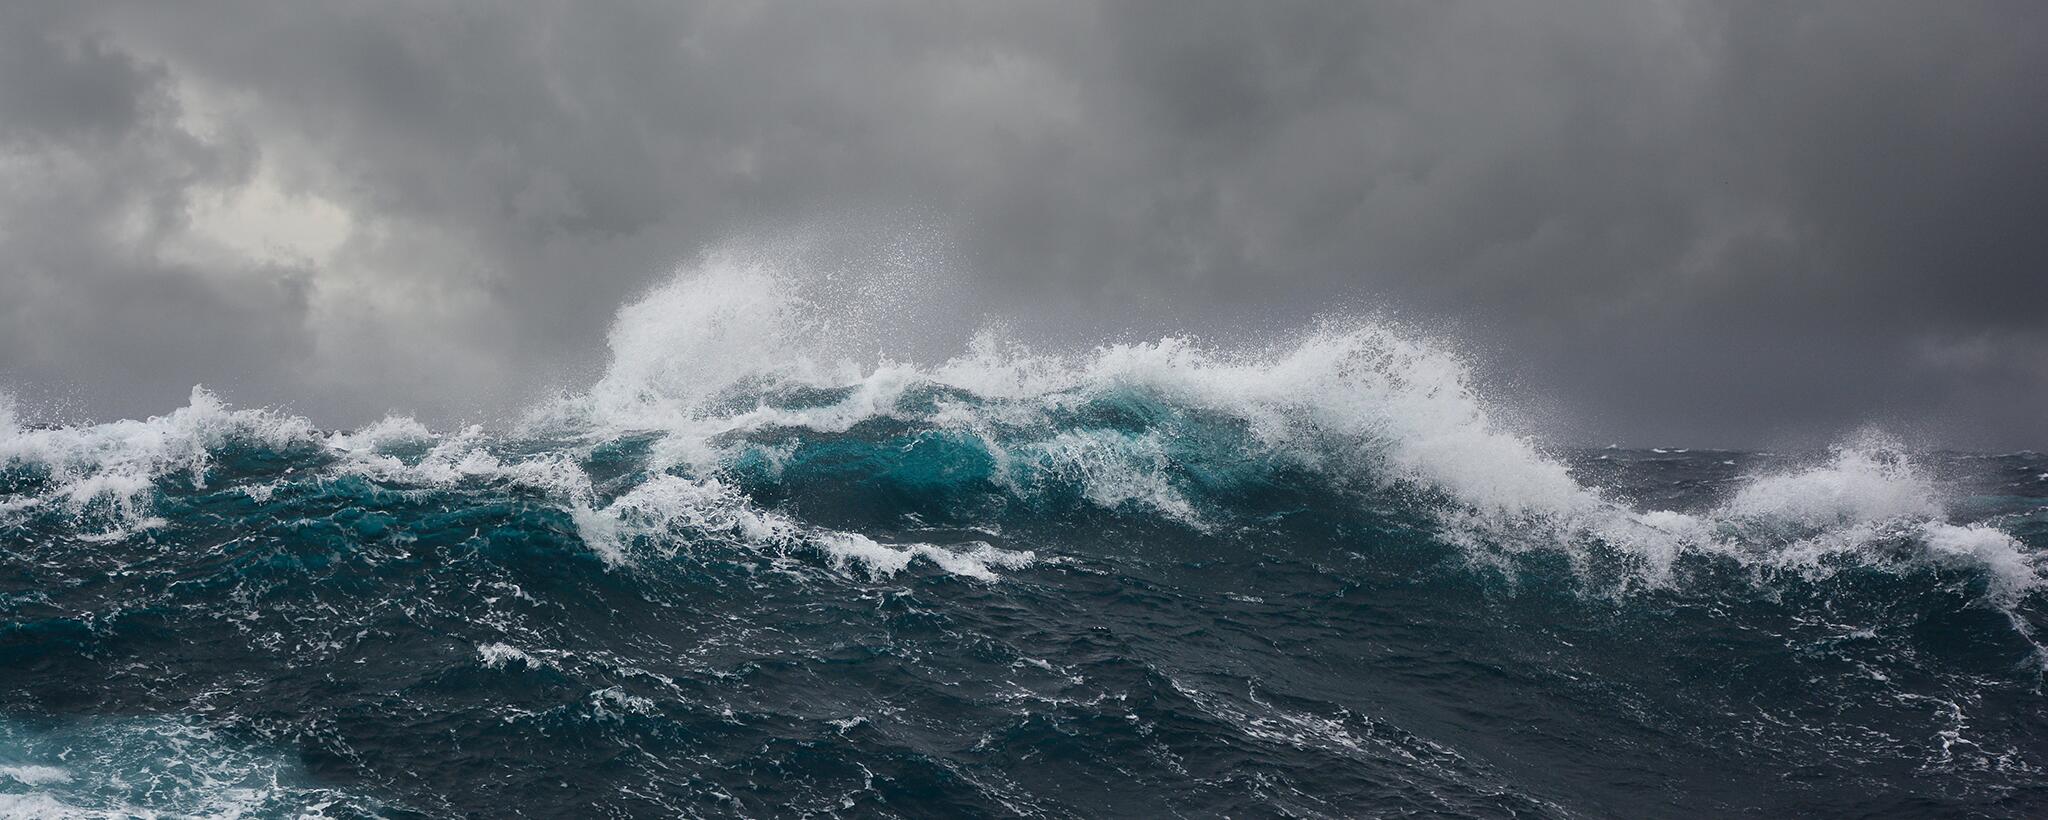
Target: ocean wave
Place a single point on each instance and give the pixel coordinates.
(727, 360)
(728, 373)
(745, 572)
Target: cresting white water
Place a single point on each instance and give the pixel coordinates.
(1354, 400)
(1358, 402)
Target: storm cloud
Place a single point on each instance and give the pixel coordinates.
(1695, 223)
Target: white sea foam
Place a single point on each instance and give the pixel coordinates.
(1869, 479)
(981, 562)
(501, 655)
(385, 433)
(670, 510)
(466, 457)
(45, 807)
(154, 767)
(1114, 469)
(108, 471)
(180, 441)
(2014, 570)
(614, 703)
(33, 775)
(733, 319)
(1868, 502)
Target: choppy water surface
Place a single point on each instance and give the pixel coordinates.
(738, 577)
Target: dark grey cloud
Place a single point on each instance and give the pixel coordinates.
(1686, 221)
(95, 183)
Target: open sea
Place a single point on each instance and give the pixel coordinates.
(737, 576)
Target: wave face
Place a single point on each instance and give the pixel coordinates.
(741, 575)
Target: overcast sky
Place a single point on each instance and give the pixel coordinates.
(1689, 223)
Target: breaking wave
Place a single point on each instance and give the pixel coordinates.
(725, 378)
(733, 438)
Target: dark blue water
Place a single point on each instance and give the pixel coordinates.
(1153, 581)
